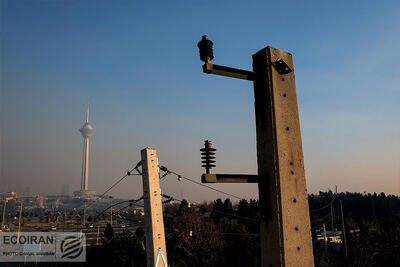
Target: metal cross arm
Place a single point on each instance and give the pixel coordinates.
(206, 55)
(228, 71)
(208, 161)
(229, 178)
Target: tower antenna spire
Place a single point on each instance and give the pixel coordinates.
(87, 113)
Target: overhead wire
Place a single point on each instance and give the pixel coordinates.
(129, 205)
(128, 173)
(323, 207)
(165, 169)
(322, 218)
(319, 225)
(131, 201)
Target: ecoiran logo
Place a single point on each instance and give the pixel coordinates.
(71, 247)
(42, 247)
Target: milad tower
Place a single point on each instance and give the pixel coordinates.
(86, 131)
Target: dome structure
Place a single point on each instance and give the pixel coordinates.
(86, 130)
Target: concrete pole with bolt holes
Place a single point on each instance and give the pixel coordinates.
(285, 230)
(154, 223)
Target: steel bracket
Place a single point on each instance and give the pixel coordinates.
(281, 67)
(228, 71)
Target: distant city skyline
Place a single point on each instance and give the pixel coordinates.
(139, 65)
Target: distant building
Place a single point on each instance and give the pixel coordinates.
(65, 189)
(55, 204)
(138, 211)
(331, 239)
(331, 236)
(8, 195)
(28, 191)
(41, 201)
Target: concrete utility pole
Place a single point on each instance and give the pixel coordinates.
(285, 230)
(154, 223)
(98, 233)
(84, 212)
(4, 215)
(344, 241)
(111, 211)
(325, 237)
(19, 219)
(332, 225)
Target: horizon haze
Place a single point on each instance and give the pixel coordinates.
(138, 64)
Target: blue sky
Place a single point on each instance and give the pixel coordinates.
(137, 63)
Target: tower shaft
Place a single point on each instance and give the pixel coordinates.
(85, 165)
(87, 132)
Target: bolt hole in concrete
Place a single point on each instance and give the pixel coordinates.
(296, 228)
(287, 129)
(294, 200)
(298, 248)
(291, 163)
(291, 172)
(284, 95)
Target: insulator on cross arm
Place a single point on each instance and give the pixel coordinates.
(206, 49)
(208, 156)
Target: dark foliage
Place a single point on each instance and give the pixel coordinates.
(220, 234)
(372, 224)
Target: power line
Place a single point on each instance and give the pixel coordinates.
(320, 219)
(131, 201)
(236, 216)
(129, 205)
(319, 225)
(323, 207)
(163, 168)
(128, 173)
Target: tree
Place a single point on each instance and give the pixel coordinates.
(108, 232)
(243, 208)
(192, 240)
(227, 207)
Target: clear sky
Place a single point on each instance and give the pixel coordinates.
(137, 62)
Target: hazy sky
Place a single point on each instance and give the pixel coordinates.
(137, 62)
